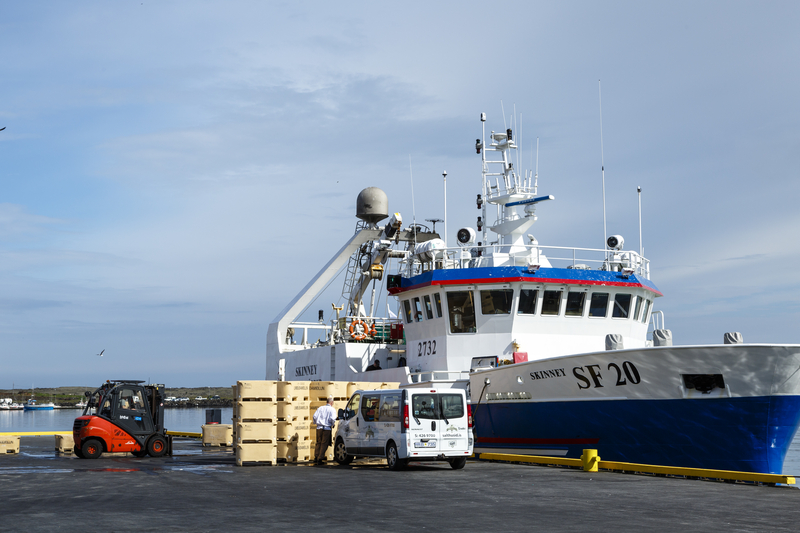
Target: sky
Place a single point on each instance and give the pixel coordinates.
(174, 172)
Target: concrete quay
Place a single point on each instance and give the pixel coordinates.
(201, 489)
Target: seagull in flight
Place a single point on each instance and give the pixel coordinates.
(101, 353)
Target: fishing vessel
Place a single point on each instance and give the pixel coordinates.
(560, 348)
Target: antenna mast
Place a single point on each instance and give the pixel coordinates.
(444, 175)
(641, 248)
(602, 165)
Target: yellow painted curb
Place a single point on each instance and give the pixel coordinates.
(649, 469)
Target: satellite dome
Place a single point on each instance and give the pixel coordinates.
(372, 205)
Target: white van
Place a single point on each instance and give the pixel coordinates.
(405, 425)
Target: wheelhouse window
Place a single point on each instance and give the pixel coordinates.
(417, 310)
(551, 303)
(428, 307)
(437, 299)
(598, 306)
(527, 301)
(637, 308)
(646, 310)
(575, 303)
(461, 307)
(407, 309)
(622, 305)
(497, 302)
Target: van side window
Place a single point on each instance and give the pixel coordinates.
(452, 405)
(369, 407)
(425, 406)
(390, 408)
(428, 308)
(352, 407)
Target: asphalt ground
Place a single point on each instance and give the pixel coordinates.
(201, 489)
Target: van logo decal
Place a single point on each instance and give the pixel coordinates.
(369, 432)
(451, 427)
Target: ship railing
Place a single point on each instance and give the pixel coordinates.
(381, 326)
(534, 255)
(438, 375)
(340, 331)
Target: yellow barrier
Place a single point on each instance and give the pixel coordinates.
(592, 460)
(50, 433)
(185, 434)
(35, 433)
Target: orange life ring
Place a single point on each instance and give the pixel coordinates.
(358, 336)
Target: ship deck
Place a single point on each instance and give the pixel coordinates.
(201, 489)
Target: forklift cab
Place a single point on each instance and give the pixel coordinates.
(135, 409)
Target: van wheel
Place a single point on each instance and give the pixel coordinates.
(340, 453)
(458, 464)
(156, 446)
(92, 449)
(393, 459)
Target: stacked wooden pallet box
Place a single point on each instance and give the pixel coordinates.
(272, 420)
(255, 422)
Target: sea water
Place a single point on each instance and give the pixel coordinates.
(190, 419)
(193, 418)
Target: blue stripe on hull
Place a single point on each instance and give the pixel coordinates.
(744, 434)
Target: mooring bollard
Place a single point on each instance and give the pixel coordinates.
(590, 460)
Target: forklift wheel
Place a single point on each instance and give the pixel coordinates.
(157, 446)
(78, 452)
(140, 453)
(92, 449)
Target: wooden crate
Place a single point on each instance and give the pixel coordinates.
(257, 453)
(292, 410)
(263, 390)
(294, 451)
(256, 410)
(285, 430)
(217, 434)
(320, 390)
(65, 443)
(292, 390)
(9, 444)
(303, 429)
(256, 431)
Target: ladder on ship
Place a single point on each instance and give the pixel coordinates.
(353, 269)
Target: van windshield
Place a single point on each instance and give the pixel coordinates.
(437, 406)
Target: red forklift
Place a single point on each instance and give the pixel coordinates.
(122, 416)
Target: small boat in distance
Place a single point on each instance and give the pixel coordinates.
(31, 404)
